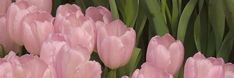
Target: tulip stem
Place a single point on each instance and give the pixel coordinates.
(114, 9)
(111, 74)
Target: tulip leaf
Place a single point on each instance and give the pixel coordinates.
(2, 52)
(184, 19)
(101, 2)
(132, 64)
(166, 12)
(210, 42)
(155, 14)
(229, 11)
(175, 17)
(129, 10)
(226, 46)
(217, 20)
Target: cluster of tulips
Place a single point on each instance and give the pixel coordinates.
(61, 46)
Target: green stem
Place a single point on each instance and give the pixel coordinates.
(114, 9)
(112, 74)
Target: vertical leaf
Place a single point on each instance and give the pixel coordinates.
(184, 19)
(229, 13)
(114, 9)
(156, 16)
(175, 16)
(211, 43)
(217, 20)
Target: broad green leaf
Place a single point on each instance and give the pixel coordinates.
(155, 14)
(226, 46)
(184, 19)
(229, 11)
(217, 20)
(166, 12)
(175, 17)
(129, 10)
(211, 42)
(132, 64)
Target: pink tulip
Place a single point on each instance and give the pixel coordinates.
(73, 64)
(149, 71)
(63, 11)
(36, 28)
(229, 70)
(4, 6)
(15, 14)
(165, 53)
(5, 40)
(200, 67)
(99, 14)
(45, 5)
(27, 66)
(115, 43)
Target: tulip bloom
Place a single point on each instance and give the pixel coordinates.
(165, 53)
(45, 5)
(99, 14)
(4, 6)
(200, 67)
(72, 64)
(115, 43)
(36, 28)
(63, 11)
(229, 70)
(15, 14)
(149, 71)
(78, 28)
(5, 40)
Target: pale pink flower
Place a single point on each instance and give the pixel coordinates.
(36, 28)
(16, 12)
(200, 67)
(4, 6)
(165, 53)
(229, 70)
(115, 43)
(45, 5)
(99, 13)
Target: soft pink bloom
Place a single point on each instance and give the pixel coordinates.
(78, 28)
(26, 66)
(200, 67)
(165, 53)
(5, 40)
(4, 6)
(149, 71)
(16, 12)
(72, 64)
(36, 28)
(63, 11)
(229, 70)
(45, 5)
(115, 43)
(99, 13)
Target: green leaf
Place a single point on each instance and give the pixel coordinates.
(132, 64)
(175, 17)
(226, 46)
(156, 16)
(129, 10)
(229, 11)
(101, 3)
(211, 43)
(184, 19)
(217, 20)
(56, 3)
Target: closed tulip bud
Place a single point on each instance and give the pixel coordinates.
(115, 43)
(36, 28)
(4, 6)
(149, 71)
(73, 64)
(63, 11)
(165, 53)
(229, 70)
(16, 12)
(45, 5)
(200, 67)
(99, 14)
(5, 40)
